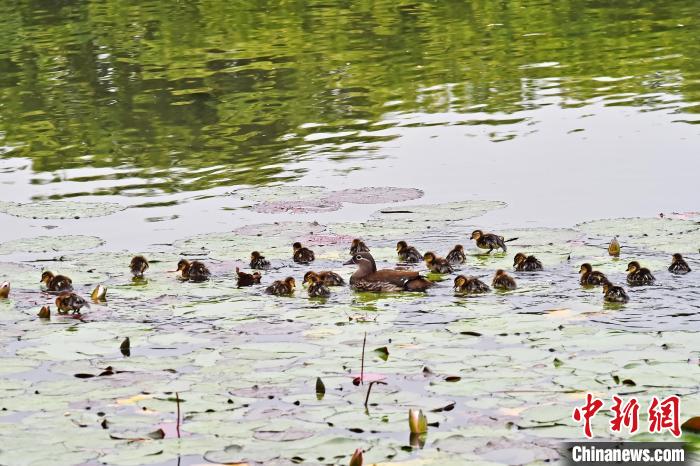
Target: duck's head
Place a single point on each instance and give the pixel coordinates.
(256, 255)
(356, 242)
(401, 245)
(429, 257)
(585, 268)
(296, 246)
(289, 281)
(476, 234)
(46, 277)
(364, 260)
(519, 258)
(606, 287)
(677, 257)
(460, 281)
(4, 289)
(182, 265)
(311, 277)
(633, 266)
(459, 248)
(500, 272)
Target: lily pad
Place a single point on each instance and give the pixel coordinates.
(51, 244)
(375, 195)
(59, 210)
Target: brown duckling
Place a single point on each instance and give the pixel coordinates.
(614, 294)
(4, 289)
(302, 255)
(437, 264)
(194, 271)
(358, 246)
(368, 278)
(523, 263)
(327, 277)
(408, 253)
(678, 265)
(282, 287)
(247, 279)
(56, 282)
(69, 301)
(489, 241)
(638, 275)
(456, 256)
(503, 281)
(316, 289)
(470, 285)
(590, 277)
(138, 266)
(258, 261)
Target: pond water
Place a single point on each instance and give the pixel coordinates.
(188, 128)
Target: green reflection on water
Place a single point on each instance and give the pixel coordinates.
(194, 95)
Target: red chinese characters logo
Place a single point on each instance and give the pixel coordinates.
(587, 412)
(627, 415)
(664, 415)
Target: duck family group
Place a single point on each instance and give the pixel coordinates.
(368, 278)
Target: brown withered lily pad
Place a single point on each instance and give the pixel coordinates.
(375, 195)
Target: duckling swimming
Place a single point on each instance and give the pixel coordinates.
(523, 263)
(69, 301)
(437, 264)
(678, 265)
(614, 294)
(5, 290)
(258, 261)
(302, 255)
(590, 277)
(358, 246)
(327, 277)
(489, 241)
(194, 271)
(503, 281)
(247, 279)
(456, 256)
(408, 253)
(316, 287)
(282, 287)
(470, 285)
(56, 282)
(368, 278)
(138, 266)
(638, 275)
(614, 247)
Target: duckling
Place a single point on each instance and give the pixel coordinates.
(5, 290)
(489, 241)
(678, 265)
(408, 253)
(470, 285)
(638, 275)
(523, 263)
(247, 279)
(282, 287)
(56, 282)
(316, 287)
(614, 247)
(327, 277)
(302, 255)
(589, 277)
(258, 261)
(614, 294)
(194, 271)
(503, 281)
(138, 266)
(456, 256)
(368, 278)
(69, 301)
(437, 264)
(358, 246)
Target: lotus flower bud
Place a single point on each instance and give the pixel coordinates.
(99, 293)
(45, 312)
(417, 421)
(614, 248)
(5, 290)
(357, 458)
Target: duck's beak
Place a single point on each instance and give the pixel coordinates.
(349, 262)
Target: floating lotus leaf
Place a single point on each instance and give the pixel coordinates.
(279, 193)
(51, 244)
(657, 234)
(59, 210)
(438, 213)
(375, 195)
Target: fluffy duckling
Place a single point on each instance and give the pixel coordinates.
(408, 253)
(489, 241)
(282, 287)
(470, 285)
(69, 301)
(368, 278)
(247, 279)
(614, 294)
(358, 246)
(258, 261)
(302, 255)
(614, 247)
(56, 282)
(327, 277)
(138, 266)
(590, 277)
(456, 256)
(638, 275)
(523, 263)
(194, 271)
(503, 281)
(316, 287)
(5, 290)
(437, 264)
(678, 265)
